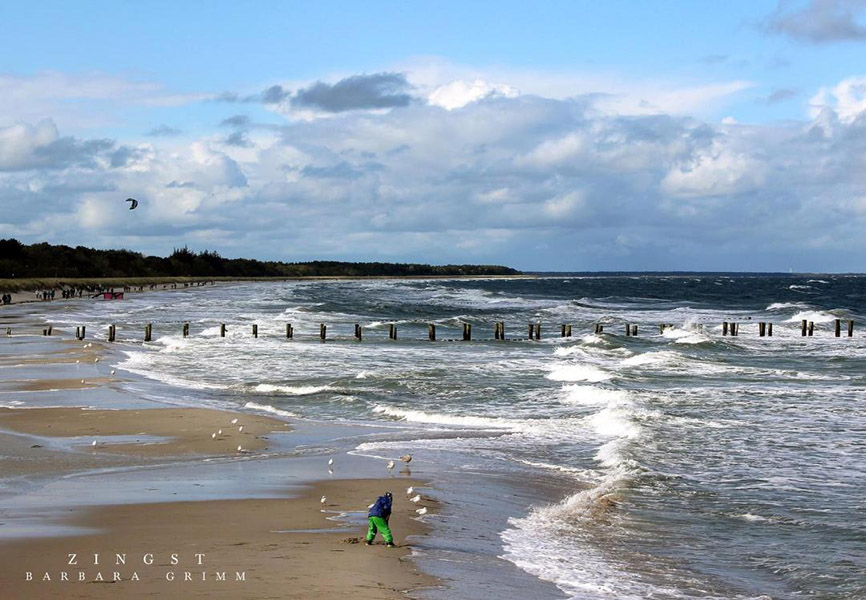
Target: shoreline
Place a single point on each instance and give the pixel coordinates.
(277, 531)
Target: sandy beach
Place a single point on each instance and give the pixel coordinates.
(289, 545)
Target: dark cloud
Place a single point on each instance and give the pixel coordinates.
(68, 152)
(125, 155)
(820, 21)
(781, 95)
(236, 121)
(163, 131)
(238, 139)
(380, 90)
(275, 94)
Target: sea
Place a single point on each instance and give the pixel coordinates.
(675, 463)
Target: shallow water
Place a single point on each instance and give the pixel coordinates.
(667, 465)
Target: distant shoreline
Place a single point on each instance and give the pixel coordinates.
(34, 284)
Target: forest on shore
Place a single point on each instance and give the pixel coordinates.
(45, 260)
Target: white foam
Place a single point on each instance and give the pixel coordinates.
(578, 373)
(614, 422)
(291, 390)
(799, 287)
(663, 357)
(588, 395)
(418, 416)
(784, 305)
(269, 409)
(812, 315)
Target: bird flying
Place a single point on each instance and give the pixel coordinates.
(134, 203)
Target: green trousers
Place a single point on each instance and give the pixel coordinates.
(379, 524)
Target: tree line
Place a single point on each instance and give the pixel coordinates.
(45, 260)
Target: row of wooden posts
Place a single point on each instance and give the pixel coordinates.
(807, 328)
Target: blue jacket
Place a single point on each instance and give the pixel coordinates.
(382, 508)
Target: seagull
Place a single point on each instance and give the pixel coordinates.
(213, 436)
(406, 458)
(330, 462)
(422, 511)
(240, 429)
(234, 421)
(96, 359)
(82, 381)
(219, 431)
(416, 498)
(240, 449)
(409, 490)
(113, 371)
(390, 464)
(323, 500)
(77, 362)
(94, 444)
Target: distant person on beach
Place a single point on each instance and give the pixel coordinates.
(378, 517)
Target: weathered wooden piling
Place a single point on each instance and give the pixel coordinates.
(502, 330)
(811, 328)
(431, 332)
(467, 332)
(837, 327)
(223, 329)
(568, 331)
(290, 331)
(850, 329)
(496, 330)
(531, 331)
(627, 330)
(762, 329)
(770, 329)
(186, 330)
(562, 334)
(803, 327)
(358, 334)
(111, 333)
(599, 328)
(634, 330)
(724, 328)
(323, 331)
(537, 330)
(392, 332)
(255, 330)
(80, 332)
(148, 332)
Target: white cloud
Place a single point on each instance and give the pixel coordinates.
(458, 94)
(847, 99)
(715, 171)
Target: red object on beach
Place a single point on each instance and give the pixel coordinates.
(112, 296)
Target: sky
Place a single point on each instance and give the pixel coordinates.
(547, 136)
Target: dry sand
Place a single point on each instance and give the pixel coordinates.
(253, 537)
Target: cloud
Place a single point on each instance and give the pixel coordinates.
(236, 121)
(358, 92)
(24, 147)
(781, 95)
(540, 182)
(238, 139)
(819, 21)
(164, 131)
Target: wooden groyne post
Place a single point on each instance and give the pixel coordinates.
(148, 332)
(770, 329)
(467, 332)
(850, 329)
(323, 331)
(392, 332)
(837, 327)
(290, 331)
(431, 332)
(496, 331)
(531, 331)
(222, 329)
(80, 332)
(358, 334)
(803, 327)
(537, 331)
(186, 330)
(255, 330)
(633, 330)
(599, 328)
(724, 328)
(811, 327)
(762, 329)
(112, 332)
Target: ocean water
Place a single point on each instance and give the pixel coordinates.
(675, 464)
